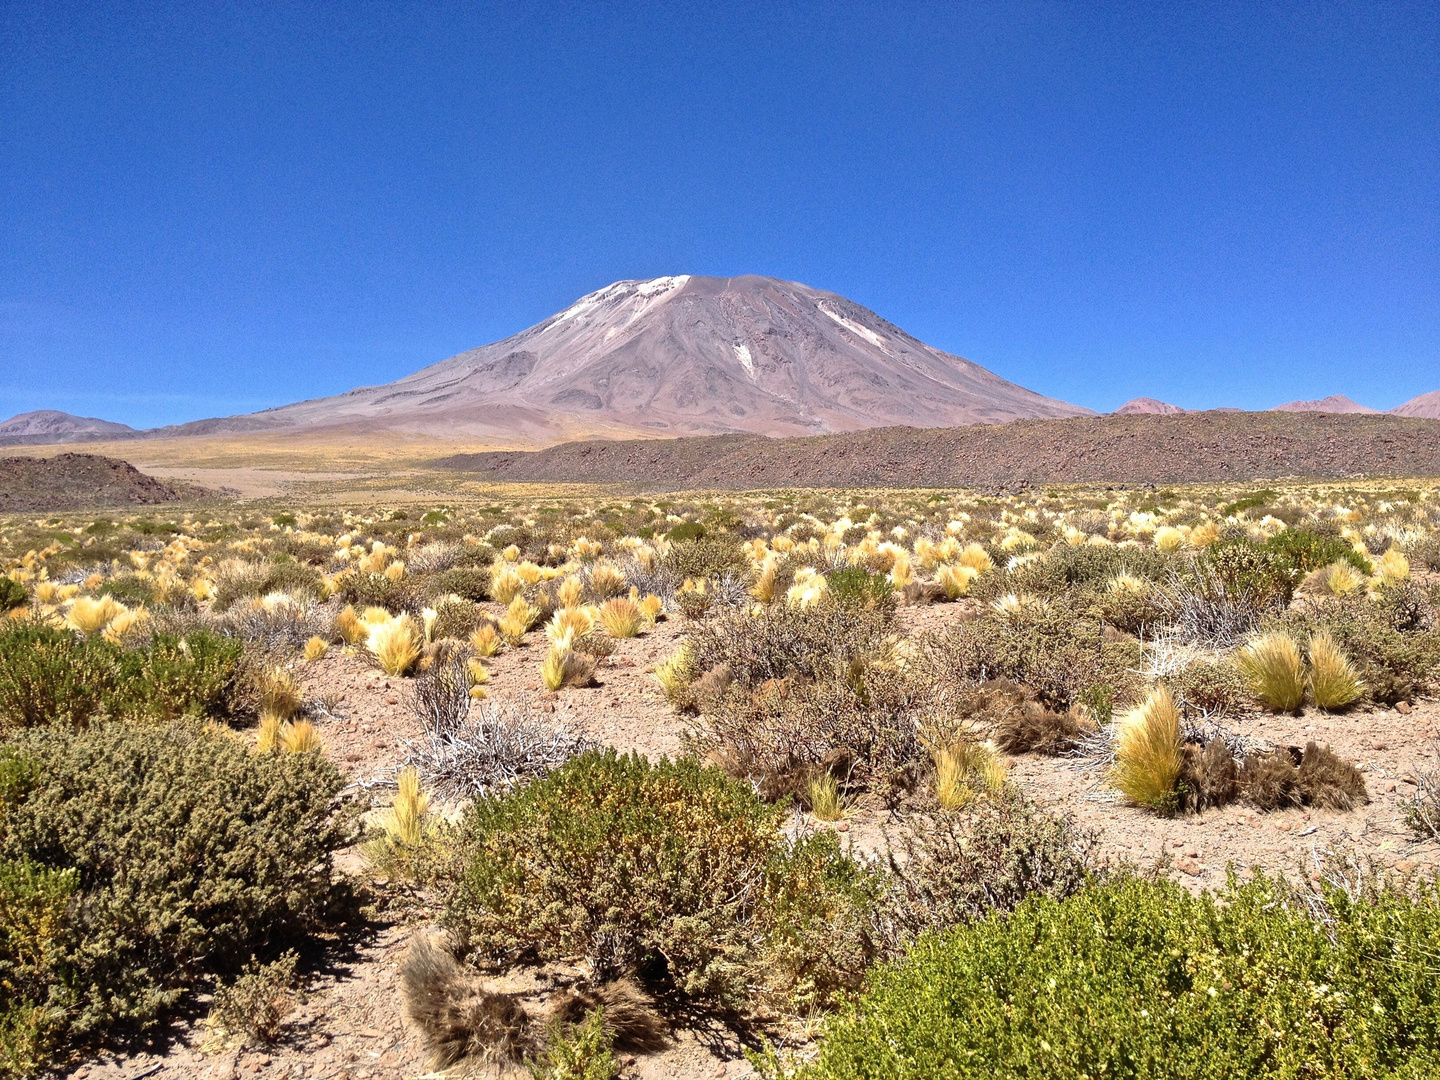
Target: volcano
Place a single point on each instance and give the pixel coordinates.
(677, 356)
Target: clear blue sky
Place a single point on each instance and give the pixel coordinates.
(208, 208)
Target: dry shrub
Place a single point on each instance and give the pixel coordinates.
(777, 733)
(986, 859)
(1057, 648)
(1210, 689)
(1422, 810)
(491, 749)
(786, 642)
(1272, 665)
(1148, 755)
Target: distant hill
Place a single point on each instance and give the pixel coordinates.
(76, 481)
(1195, 447)
(1335, 403)
(50, 426)
(1147, 406)
(1426, 406)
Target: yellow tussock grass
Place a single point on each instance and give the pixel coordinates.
(1148, 753)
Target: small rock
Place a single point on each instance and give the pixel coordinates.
(1403, 708)
(843, 826)
(1405, 865)
(392, 699)
(1378, 745)
(1188, 866)
(1389, 787)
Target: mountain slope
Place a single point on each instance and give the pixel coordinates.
(1426, 407)
(680, 356)
(52, 426)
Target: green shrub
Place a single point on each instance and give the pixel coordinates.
(581, 1051)
(52, 676)
(257, 1003)
(1064, 567)
(186, 852)
(12, 594)
(33, 903)
(1058, 649)
(1142, 979)
(129, 589)
(470, 582)
(707, 556)
(671, 869)
(376, 590)
(1214, 689)
(196, 675)
(686, 530)
(856, 587)
(1301, 551)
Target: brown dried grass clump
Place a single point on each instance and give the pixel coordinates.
(1315, 776)
(1328, 781)
(1270, 781)
(1208, 777)
(630, 1019)
(1021, 724)
(457, 1014)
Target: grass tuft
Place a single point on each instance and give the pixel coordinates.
(1334, 683)
(1148, 754)
(1275, 671)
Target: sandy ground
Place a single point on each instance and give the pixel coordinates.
(352, 1025)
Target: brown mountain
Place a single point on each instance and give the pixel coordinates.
(50, 426)
(679, 356)
(1147, 406)
(1335, 403)
(1426, 406)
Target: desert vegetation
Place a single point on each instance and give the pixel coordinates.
(845, 858)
